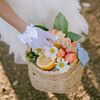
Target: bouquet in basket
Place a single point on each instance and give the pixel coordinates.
(64, 52)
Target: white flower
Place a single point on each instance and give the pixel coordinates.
(62, 65)
(51, 52)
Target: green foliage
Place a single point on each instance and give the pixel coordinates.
(73, 36)
(31, 56)
(42, 27)
(61, 23)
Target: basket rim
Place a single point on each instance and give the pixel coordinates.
(72, 67)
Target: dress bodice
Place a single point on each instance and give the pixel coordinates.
(44, 12)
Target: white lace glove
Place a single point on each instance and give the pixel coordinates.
(36, 37)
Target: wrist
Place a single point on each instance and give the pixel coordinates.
(28, 29)
(22, 27)
(28, 35)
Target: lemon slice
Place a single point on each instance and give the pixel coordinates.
(45, 63)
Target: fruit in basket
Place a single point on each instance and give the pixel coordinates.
(61, 53)
(71, 57)
(74, 44)
(45, 63)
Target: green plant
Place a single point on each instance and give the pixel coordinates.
(61, 24)
(42, 27)
(31, 56)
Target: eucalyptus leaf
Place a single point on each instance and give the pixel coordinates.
(42, 27)
(73, 36)
(61, 23)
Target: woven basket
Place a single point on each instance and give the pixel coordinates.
(56, 82)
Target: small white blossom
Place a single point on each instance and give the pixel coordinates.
(62, 65)
(51, 52)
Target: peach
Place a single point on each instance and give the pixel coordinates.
(61, 53)
(73, 44)
(71, 57)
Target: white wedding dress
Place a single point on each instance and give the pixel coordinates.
(40, 12)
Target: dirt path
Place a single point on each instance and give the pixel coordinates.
(14, 80)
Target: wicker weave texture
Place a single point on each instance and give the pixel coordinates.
(56, 82)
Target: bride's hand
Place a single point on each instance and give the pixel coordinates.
(36, 37)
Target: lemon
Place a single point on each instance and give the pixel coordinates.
(45, 63)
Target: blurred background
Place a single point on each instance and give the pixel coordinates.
(14, 80)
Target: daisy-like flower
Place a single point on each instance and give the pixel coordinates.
(51, 52)
(62, 65)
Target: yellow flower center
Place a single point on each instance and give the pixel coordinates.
(52, 51)
(61, 65)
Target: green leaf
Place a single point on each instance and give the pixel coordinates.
(61, 23)
(73, 36)
(42, 27)
(31, 56)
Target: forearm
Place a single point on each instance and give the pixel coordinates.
(11, 17)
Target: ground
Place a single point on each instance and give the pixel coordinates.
(14, 80)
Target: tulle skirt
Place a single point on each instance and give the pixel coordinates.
(40, 12)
